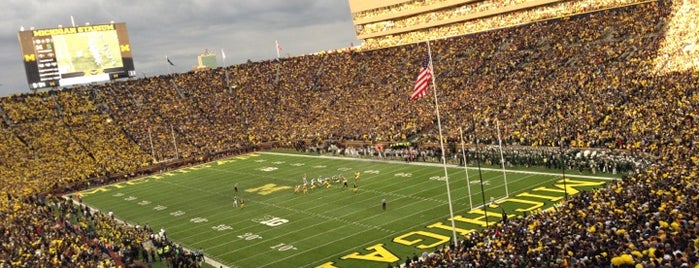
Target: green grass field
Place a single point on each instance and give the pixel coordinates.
(327, 227)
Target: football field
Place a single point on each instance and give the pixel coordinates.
(329, 225)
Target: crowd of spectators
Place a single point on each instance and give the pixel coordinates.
(51, 231)
(679, 49)
(444, 14)
(477, 20)
(588, 81)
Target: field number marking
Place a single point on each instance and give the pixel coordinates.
(198, 220)
(222, 227)
(249, 236)
(283, 247)
(177, 213)
(270, 220)
(438, 178)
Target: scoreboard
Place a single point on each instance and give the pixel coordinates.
(64, 56)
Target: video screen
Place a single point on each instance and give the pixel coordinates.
(66, 56)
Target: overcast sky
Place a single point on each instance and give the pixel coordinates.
(244, 29)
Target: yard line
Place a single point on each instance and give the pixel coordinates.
(367, 227)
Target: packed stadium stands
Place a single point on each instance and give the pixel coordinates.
(589, 81)
(415, 21)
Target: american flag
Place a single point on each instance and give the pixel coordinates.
(423, 80)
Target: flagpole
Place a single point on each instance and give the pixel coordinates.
(563, 163)
(225, 70)
(276, 47)
(502, 159)
(174, 142)
(223, 58)
(228, 83)
(152, 149)
(468, 180)
(441, 144)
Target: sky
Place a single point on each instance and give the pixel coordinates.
(181, 30)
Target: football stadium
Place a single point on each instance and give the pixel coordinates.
(526, 133)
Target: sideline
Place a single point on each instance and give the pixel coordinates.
(440, 165)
